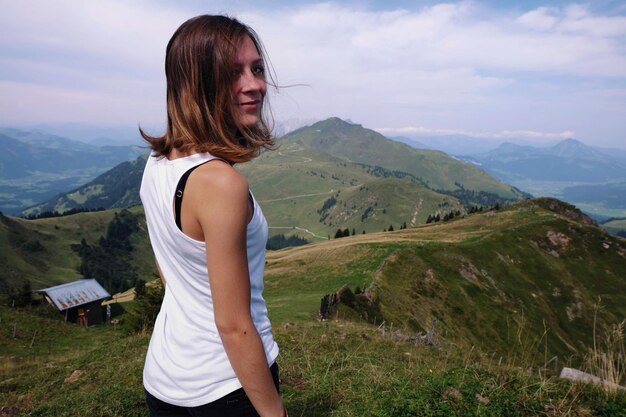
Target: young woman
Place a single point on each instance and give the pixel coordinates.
(212, 352)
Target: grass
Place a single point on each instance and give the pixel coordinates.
(478, 276)
(55, 262)
(333, 368)
(615, 226)
(607, 357)
(279, 178)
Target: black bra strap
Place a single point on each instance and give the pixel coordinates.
(180, 187)
(178, 196)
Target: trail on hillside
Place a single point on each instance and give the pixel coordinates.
(416, 212)
(296, 196)
(299, 228)
(305, 161)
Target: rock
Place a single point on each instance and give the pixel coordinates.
(74, 376)
(9, 411)
(482, 400)
(452, 393)
(580, 376)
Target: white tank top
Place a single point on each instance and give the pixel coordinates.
(186, 364)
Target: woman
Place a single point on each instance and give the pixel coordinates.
(212, 352)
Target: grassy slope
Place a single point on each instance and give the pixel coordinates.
(481, 277)
(615, 226)
(293, 183)
(311, 162)
(118, 187)
(55, 263)
(334, 368)
(354, 143)
(340, 368)
(481, 290)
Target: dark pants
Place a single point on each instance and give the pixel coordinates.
(235, 404)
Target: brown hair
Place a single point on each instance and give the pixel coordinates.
(199, 68)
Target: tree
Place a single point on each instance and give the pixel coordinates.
(140, 288)
(22, 296)
(390, 228)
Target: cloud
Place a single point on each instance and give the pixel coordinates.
(505, 134)
(34, 103)
(466, 66)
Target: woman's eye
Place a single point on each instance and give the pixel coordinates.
(258, 69)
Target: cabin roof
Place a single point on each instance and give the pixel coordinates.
(74, 294)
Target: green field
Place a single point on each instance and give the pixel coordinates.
(615, 226)
(334, 368)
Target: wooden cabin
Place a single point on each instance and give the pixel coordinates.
(80, 301)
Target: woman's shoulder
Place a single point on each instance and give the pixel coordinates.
(219, 176)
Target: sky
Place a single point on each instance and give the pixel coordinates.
(535, 70)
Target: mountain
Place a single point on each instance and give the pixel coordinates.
(87, 133)
(309, 186)
(589, 177)
(569, 160)
(34, 166)
(411, 142)
(116, 188)
(452, 144)
(615, 226)
(436, 169)
(610, 195)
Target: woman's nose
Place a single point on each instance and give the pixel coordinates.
(251, 81)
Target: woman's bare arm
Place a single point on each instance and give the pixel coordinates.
(219, 202)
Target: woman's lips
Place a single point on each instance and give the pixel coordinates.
(250, 105)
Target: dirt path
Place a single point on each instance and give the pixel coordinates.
(301, 229)
(296, 196)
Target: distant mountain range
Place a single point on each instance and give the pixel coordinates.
(451, 144)
(35, 166)
(330, 175)
(590, 177)
(568, 160)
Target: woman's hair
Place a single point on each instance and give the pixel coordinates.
(200, 69)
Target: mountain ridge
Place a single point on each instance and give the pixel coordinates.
(294, 182)
(35, 166)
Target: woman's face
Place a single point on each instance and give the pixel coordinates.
(249, 86)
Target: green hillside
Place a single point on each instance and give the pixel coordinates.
(333, 368)
(308, 189)
(376, 182)
(436, 169)
(40, 250)
(615, 226)
(116, 188)
(483, 278)
(509, 289)
(537, 262)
